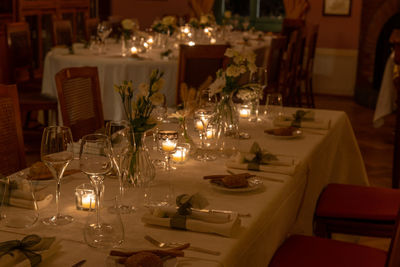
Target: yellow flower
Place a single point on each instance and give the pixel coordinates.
(229, 52)
(235, 71)
(117, 88)
(143, 89)
(157, 99)
(203, 19)
(168, 20)
(228, 14)
(127, 24)
(158, 85)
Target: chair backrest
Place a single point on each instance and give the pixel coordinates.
(62, 33)
(395, 40)
(19, 50)
(12, 153)
(276, 52)
(393, 258)
(80, 100)
(91, 28)
(312, 37)
(198, 62)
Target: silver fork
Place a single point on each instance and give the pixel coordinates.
(175, 244)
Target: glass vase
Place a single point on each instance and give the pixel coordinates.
(141, 168)
(125, 45)
(184, 137)
(228, 121)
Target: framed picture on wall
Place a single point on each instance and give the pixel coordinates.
(336, 8)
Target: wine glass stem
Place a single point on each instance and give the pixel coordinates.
(168, 166)
(58, 194)
(98, 195)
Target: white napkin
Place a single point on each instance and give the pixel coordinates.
(283, 165)
(21, 197)
(18, 259)
(312, 124)
(198, 224)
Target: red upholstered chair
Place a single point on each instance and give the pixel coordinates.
(309, 251)
(359, 210)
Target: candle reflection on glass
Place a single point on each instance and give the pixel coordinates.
(199, 125)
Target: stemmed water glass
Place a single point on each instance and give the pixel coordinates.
(167, 142)
(103, 31)
(120, 135)
(57, 152)
(202, 117)
(95, 161)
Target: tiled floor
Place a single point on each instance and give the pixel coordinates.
(376, 145)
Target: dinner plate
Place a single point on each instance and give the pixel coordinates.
(295, 134)
(254, 184)
(111, 261)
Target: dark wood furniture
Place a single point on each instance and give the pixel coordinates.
(80, 100)
(91, 28)
(62, 33)
(21, 68)
(308, 251)
(12, 153)
(395, 40)
(307, 71)
(294, 30)
(198, 62)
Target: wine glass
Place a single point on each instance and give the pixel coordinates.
(167, 141)
(120, 135)
(202, 117)
(274, 106)
(95, 161)
(103, 31)
(57, 152)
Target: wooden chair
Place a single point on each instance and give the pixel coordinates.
(29, 87)
(307, 72)
(12, 153)
(395, 40)
(62, 33)
(80, 100)
(198, 62)
(91, 28)
(294, 30)
(308, 251)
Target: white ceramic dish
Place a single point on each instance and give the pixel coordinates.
(254, 184)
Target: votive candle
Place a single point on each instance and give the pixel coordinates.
(244, 112)
(168, 145)
(180, 154)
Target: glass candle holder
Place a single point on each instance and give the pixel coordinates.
(181, 153)
(85, 197)
(244, 111)
(168, 141)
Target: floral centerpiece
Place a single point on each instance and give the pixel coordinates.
(138, 109)
(206, 20)
(229, 82)
(166, 25)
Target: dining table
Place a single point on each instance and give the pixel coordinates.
(281, 204)
(114, 69)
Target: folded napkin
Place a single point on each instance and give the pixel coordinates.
(303, 119)
(259, 160)
(204, 223)
(30, 251)
(19, 194)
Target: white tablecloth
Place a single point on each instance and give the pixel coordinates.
(278, 209)
(113, 69)
(386, 102)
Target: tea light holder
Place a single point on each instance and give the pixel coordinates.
(245, 111)
(85, 197)
(134, 51)
(181, 153)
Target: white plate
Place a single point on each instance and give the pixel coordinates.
(295, 134)
(111, 262)
(254, 184)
